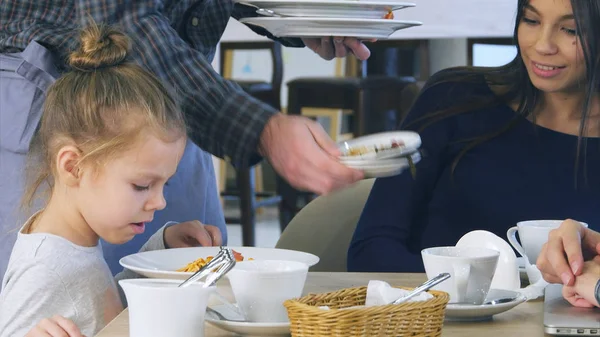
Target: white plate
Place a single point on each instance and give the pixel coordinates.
(374, 169)
(399, 161)
(164, 263)
(320, 27)
(409, 142)
(470, 312)
(329, 8)
(245, 328)
(383, 172)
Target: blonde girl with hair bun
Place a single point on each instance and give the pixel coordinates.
(110, 137)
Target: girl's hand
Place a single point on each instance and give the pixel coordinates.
(192, 234)
(56, 326)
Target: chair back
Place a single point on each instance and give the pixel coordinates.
(226, 61)
(325, 226)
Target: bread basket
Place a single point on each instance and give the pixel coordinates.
(420, 318)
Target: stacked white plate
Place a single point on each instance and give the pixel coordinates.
(383, 154)
(363, 19)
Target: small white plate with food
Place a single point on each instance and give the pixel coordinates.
(386, 167)
(181, 263)
(379, 146)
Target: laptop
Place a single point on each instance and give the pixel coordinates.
(563, 319)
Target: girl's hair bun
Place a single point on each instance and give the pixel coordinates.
(100, 47)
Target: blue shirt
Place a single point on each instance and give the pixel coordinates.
(526, 173)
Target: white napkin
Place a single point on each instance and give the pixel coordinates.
(381, 293)
(534, 291)
(538, 284)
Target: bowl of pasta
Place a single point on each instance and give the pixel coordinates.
(181, 263)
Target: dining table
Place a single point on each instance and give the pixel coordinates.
(524, 320)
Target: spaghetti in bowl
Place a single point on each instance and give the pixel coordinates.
(166, 263)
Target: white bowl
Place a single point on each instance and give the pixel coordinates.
(164, 263)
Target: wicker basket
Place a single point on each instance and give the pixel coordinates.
(423, 318)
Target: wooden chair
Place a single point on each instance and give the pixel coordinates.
(250, 197)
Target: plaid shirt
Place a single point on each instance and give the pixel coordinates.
(176, 40)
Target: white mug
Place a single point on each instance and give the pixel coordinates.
(533, 235)
(261, 287)
(471, 269)
(159, 308)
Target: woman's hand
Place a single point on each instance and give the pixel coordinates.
(56, 326)
(562, 257)
(192, 234)
(582, 293)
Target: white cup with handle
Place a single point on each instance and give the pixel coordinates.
(533, 234)
(471, 269)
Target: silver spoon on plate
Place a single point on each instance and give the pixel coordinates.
(423, 287)
(214, 270)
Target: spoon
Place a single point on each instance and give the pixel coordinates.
(425, 286)
(221, 317)
(495, 301)
(222, 263)
(500, 300)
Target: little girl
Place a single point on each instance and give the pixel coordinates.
(109, 139)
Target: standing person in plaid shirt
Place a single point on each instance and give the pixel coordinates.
(175, 40)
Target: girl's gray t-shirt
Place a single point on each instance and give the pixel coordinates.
(48, 275)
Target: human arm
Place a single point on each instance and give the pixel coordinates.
(562, 257)
(31, 302)
(178, 235)
(56, 326)
(585, 291)
(222, 119)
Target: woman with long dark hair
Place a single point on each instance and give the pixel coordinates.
(501, 145)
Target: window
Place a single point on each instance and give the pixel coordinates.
(492, 52)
